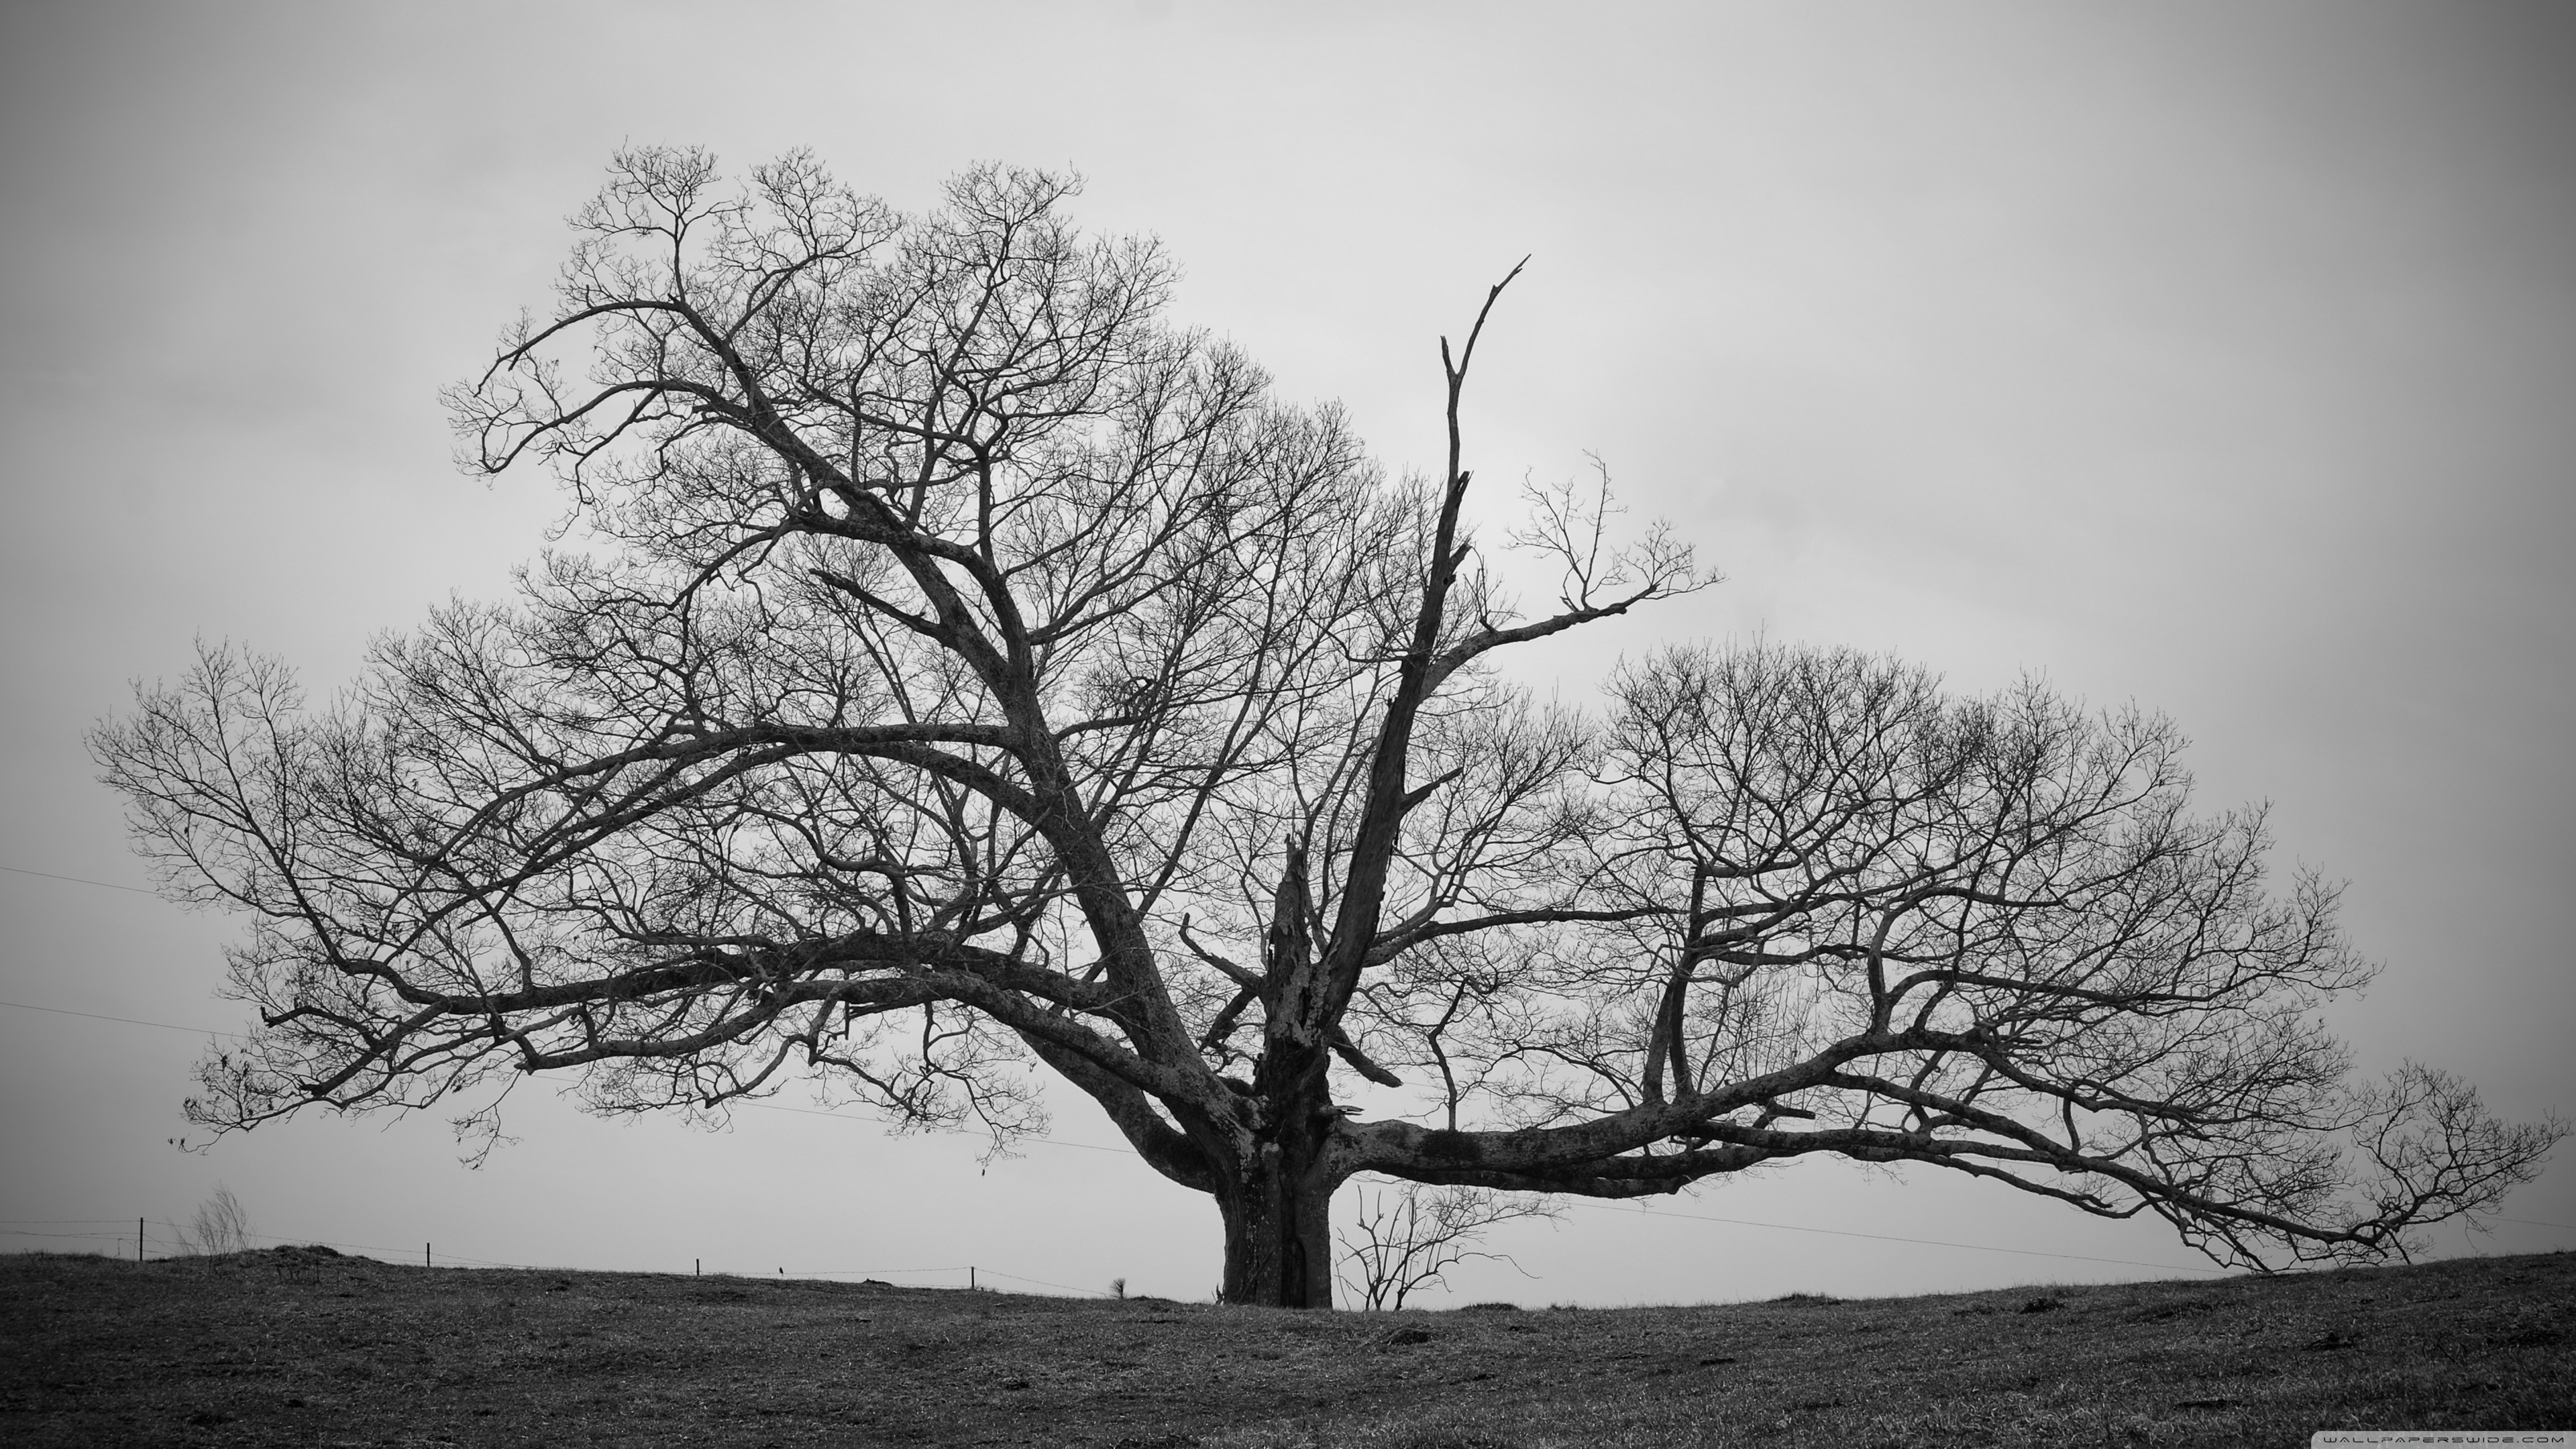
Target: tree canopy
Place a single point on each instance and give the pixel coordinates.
(953, 672)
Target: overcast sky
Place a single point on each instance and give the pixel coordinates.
(2220, 357)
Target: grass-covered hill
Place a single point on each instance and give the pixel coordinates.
(300, 1346)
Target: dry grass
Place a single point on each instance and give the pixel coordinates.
(296, 1347)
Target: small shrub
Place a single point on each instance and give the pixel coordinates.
(220, 1226)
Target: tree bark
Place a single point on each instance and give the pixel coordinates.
(1278, 1229)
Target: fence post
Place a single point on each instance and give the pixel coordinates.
(424, 1255)
(138, 1240)
(970, 1277)
(697, 1267)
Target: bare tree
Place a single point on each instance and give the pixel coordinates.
(957, 672)
(221, 1225)
(1402, 1242)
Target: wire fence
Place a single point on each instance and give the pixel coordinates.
(145, 1240)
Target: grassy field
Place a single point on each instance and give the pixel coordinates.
(305, 1347)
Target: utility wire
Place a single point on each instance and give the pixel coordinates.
(754, 1106)
(1893, 1238)
(128, 1020)
(80, 880)
(886, 1122)
(1096, 1147)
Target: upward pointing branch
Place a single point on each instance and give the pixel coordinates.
(1363, 902)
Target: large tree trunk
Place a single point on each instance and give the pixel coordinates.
(1278, 1230)
(1277, 1205)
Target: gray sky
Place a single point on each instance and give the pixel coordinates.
(2221, 357)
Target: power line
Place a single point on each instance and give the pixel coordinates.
(81, 880)
(1893, 1238)
(1096, 1147)
(128, 1020)
(884, 1122)
(754, 1106)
